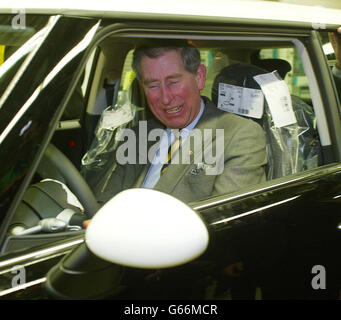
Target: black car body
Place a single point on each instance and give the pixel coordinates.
(280, 238)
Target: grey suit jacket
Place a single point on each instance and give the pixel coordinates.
(224, 153)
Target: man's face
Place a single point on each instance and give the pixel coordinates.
(173, 93)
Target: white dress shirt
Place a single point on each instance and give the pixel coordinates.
(154, 172)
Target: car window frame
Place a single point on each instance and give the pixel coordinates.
(301, 39)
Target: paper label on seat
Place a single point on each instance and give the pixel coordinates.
(239, 100)
(278, 96)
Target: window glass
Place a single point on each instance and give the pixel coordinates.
(36, 89)
(16, 43)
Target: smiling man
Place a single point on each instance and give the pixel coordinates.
(173, 93)
(172, 76)
(216, 152)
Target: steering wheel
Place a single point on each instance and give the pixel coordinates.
(55, 165)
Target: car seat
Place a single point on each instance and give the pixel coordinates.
(290, 149)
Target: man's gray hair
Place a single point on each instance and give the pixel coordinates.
(154, 49)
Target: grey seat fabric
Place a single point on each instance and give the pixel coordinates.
(290, 149)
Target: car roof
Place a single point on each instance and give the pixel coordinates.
(180, 10)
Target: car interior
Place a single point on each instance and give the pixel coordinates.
(233, 62)
(76, 161)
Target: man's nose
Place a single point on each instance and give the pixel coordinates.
(166, 95)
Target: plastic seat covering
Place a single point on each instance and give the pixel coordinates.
(290, 149)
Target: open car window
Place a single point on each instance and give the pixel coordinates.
(291, 148)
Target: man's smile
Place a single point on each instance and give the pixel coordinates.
(174, 110)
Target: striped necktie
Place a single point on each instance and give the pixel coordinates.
(173, 148)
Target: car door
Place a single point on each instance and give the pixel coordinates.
(35, 81)
(274, 235)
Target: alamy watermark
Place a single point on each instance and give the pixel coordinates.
(19, 20)
(318, 282)
(319, 17)
(205, 148)
(20, 275)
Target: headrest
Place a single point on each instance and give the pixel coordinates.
(282, 66)
(239, 74)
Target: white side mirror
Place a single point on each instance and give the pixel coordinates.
(145, 228)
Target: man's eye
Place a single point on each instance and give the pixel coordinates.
(174, 82)
(153, 86)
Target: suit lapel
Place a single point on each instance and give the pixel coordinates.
(140, 178)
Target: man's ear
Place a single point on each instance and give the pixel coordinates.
(201, 76)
